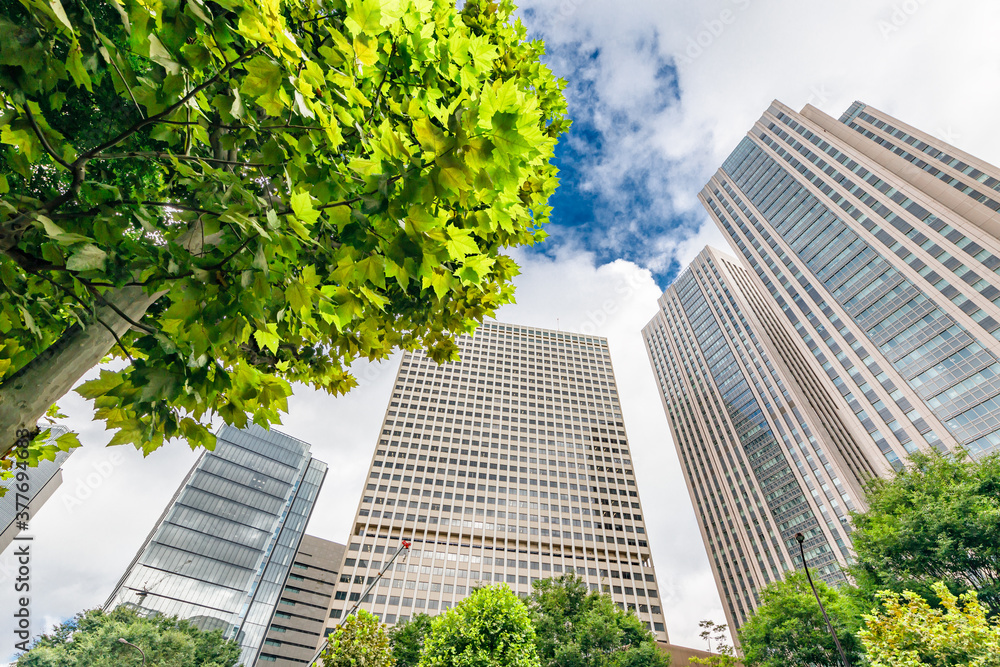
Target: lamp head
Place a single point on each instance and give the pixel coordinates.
(800, 538)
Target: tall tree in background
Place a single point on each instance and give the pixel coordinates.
(907, 632)
(788, 628)
(233, 196)
(716, 635)
(360, 641)
(936, 520)
(490, 628)
(91, 640)
(575, 627)
(407, 639)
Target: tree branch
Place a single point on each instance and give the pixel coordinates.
(171, 109)
(159, 155)
(86, 307)
(118, 311)
(44, 140)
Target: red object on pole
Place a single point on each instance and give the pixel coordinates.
(405, 545)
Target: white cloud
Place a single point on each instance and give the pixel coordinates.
(929, 62)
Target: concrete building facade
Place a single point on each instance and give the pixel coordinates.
(297, 627)
(762, 458)
(881, 245)
(221, 551)
(867, 282)
(509, 466)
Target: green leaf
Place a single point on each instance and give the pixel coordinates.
(364, 17)
(302, 206)
(268, 338)
(59, 235)
(460, 243)
(87, 258)
(100, 386)
(263, 76)
(68, 441)
(76, 68)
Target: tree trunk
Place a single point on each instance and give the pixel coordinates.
(26, 395)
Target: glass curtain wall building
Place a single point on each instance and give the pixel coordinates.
(873, 301)
(881, 246)
(221, 551)
(509, 466)
(763, 451)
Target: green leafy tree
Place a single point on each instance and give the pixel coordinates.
(575, 627)
(490, 628)
(717, 635)
(407, 639)
(936, 520)
(233, 196)
(908, 632)
(360, 641)
(91, 640)
(788, 629)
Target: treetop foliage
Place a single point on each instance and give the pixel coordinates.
(938, 520)
(908, 632)
(788, 628)
(407, 639)
(489, 628)
(360, 641)
(575, 627)
(91, 640)
(292, 186)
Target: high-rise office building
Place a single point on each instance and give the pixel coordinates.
(42, 482)
(881, 245)
(868, 282)
(296, 630)
(763, 450)
(220, 553)
(509, 466)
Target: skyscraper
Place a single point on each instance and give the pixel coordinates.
(221, 551)
(880, 244)
(42, 482)
(509, 466)
(764, 454)
(296, 630)
(868, 285)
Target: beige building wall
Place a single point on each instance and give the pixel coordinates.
(764, 456)
(509, 466)
(916, 357)
(680, 656)
(868, 275)
(297, 626)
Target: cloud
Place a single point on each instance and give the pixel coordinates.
(662, 91)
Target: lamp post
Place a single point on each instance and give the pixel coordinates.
(800, 538)
(141, 652)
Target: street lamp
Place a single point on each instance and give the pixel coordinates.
(800, 538)
(135, 647)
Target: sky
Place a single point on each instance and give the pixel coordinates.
(660, 92)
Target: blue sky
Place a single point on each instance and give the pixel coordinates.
(611, 213)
